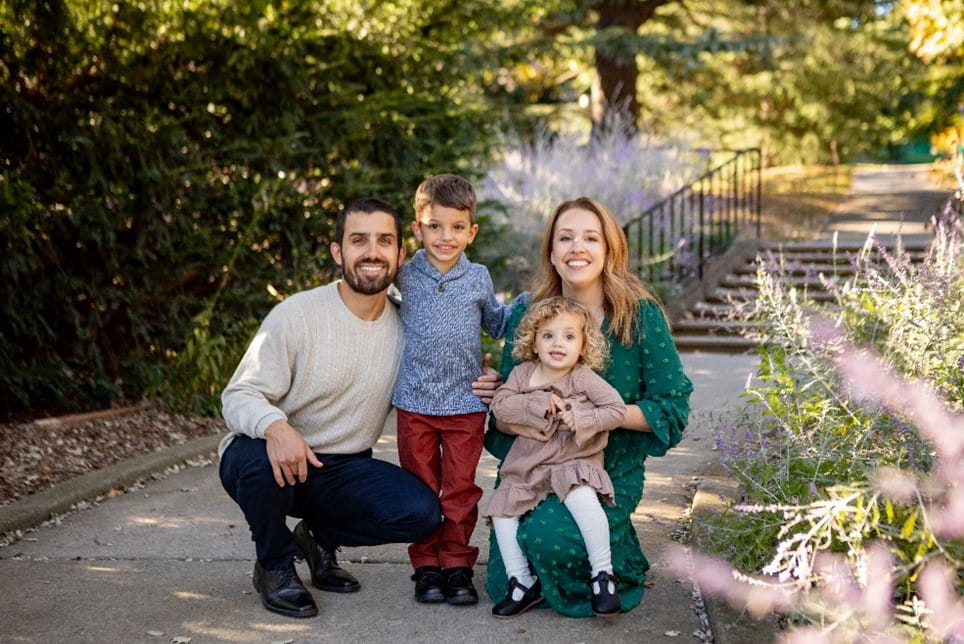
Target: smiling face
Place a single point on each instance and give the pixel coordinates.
(558, 342)
(445, 233)
(578, 250)
(369, 254)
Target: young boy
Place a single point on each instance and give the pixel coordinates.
(446, 301)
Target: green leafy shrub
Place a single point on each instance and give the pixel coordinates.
(166, 168)
(851, 461)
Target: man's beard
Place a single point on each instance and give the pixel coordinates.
(367, 285)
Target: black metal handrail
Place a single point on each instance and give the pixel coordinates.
(674, 238)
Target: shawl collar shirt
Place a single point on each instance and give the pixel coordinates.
(442, 317)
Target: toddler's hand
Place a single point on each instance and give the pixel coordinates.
(561, 408)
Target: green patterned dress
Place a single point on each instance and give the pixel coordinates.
(649, 374)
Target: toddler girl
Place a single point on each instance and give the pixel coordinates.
(561, 411)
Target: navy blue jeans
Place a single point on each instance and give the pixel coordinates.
(354, 500)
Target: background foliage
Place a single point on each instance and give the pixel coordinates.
(169, 170)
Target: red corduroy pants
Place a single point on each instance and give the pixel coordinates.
(444, 451)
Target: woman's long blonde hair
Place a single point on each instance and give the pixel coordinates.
(595, 348)
(622, 290)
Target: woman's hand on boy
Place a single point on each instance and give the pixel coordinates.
(485, 385)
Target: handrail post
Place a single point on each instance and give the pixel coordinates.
(702, 228)
(700, 225)
(759, 190)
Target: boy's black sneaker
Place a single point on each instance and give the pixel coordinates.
(459, 590)
(429, 585)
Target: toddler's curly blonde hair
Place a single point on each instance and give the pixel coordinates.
(595, 349)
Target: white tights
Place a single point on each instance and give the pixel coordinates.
(585, 508)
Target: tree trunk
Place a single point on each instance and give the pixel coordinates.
(616, 74)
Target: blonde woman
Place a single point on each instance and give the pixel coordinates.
(584, 257)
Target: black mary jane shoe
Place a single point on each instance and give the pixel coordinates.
(282, 592)
(429, 585)
(509, 607)
(604, 603)
(326, 574)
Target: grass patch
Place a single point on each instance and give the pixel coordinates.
(942, 174)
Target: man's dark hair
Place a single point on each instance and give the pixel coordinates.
(368, 205)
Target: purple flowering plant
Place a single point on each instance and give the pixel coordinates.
(850, 453)
(624, 170)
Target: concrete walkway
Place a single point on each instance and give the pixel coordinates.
(174, 557)
(171, 560)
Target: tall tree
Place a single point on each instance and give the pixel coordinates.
(806, 79)
(617, 73)
(806, 83)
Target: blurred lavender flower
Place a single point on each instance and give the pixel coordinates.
(895, 484)
(864, 403)
(625, 171)
(824, 333)
(758, 596)
(946, 611)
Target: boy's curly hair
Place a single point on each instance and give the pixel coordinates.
(595, 349)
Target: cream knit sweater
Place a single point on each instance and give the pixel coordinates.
(315, 364)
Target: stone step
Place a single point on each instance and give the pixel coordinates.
(726, 295)
(715, 344)
(789, 267)
(710, 310)
(800, 268)
(710, 326)
(748, 281)
(841, 256)
(827, 246)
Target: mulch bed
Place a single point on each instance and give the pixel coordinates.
(37, 455)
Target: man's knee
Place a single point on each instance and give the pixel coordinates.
(247, 476)
(420, 515)
(424, 515)
(414, 511)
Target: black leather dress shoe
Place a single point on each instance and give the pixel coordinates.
(282, 592)
(604, 603)
(509, 607)
(326, 574)
(429, 585)
(459, 590)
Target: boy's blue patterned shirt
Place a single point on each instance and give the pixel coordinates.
(442, 317)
